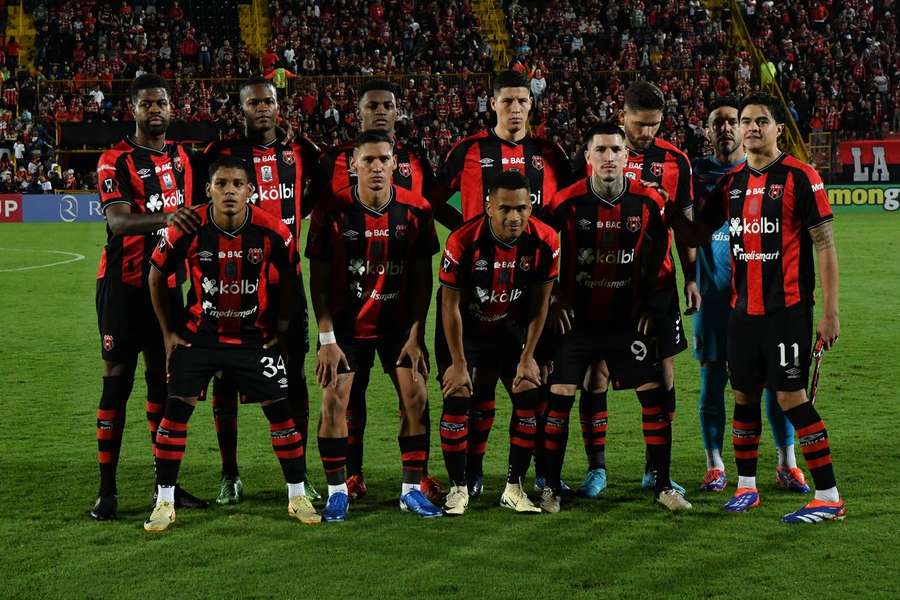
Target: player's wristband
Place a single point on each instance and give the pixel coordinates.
(327, 337)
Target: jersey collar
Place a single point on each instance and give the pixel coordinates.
(380, 210)
(131, 142)
(777, 160)
(507, 142)
(612, 201)
(236, 232)
(487, 224)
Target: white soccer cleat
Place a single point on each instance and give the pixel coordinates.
(549, 500)
(457, 500)
(515, 498)
(673, 501)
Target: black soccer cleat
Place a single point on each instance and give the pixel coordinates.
(105, 508)
(184, 499)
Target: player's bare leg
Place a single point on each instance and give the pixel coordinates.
(333, 445)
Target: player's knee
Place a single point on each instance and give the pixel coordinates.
(668, 369)
(118, 369)
(789, 400)
(524, 386)
(563, 389)
(189, 400)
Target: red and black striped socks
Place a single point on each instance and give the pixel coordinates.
(333, 452)
(746, 429)
(657, 430)
(594, 420)
(522, 432)
(413, 455)
(110, 426)
(454, 437)
(481, 421)
(287, 442)
(816, 449)
(171, 441)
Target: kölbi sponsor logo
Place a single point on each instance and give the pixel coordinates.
(753, 226)
(360, 267)
(212, 287)
(485, 296)
(282, 191)
(588, 256)
(158, 202)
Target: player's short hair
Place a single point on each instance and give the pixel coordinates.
(510, 180)
(730, 101)
(373, 136)
(379, 85)
(148, 81)
(643, 95)
(607, 128)
(258, 80)
(767, 100)
(228, 161)
(507, 79)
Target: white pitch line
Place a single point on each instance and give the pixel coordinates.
(74, 258)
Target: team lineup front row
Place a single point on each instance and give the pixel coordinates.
(548, 283)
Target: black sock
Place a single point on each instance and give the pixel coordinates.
(225, 406)
(333, 452)
(657, 435)
(556, 431)
(481, 421)
(298, 397)
(412, 455)
(356, 421)
(813, 443)
(110, 426)
(171, 441)
(746, 429)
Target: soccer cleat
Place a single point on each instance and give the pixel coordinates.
(432, 489)
(540, 483)
(648, 482)
(414, 501)
(356, 487)
(184, 499)
(310, 492)
(457, 501)
(162, 516)
(549, 500)
(302, 509)
(673, 500)
(714, 481)
(594, 483)
(793, 480)
(816, 512)
(476, 485)
(336, 507)
(105, 508)
(515, 498)
(231, 491)
(743, 500)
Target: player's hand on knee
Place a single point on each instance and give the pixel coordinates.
(413, 349)
(456, 378)
(173, 341)
(527, 370)
(185, 219)
(829, 329)
(329, 361)
(692, 298)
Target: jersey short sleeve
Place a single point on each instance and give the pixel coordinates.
(812, 200)
(113, 180)
(170, 251)
(684, 192)
(548, 266)
(451, 273)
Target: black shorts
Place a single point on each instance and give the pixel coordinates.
(772, 350)
(632, 359)
(499, 353)
(361, 352)
(259, 374)
(668, 327)
(127, 322)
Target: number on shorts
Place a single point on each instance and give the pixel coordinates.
(271, 368)
(639, 349)
(796, 347)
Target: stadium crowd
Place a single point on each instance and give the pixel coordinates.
(579, 57)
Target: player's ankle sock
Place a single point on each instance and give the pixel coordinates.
(298, 398)
(556, 430)
(714, 459)
(165, 493)
(356, 422)
(713, 378)
(406, 488)
(286, 441)
(412, 456)
(522, 427)
(746, 428)
(340, 488)
(225, 406)
(782, 430)
(333, 452)
(594, 418)
(110, 426)
(481, 420)
(829, 495)
(657, 431)
(746, 482)
(787, 458)
(157, 393)
(296, 489)
(454, 437)
(814, 444)
(171, 441)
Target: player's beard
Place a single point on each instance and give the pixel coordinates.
(155, 129)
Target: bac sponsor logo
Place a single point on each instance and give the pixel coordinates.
(158, 202)
(737, 226)
(378, 233)
(756, 191)
(886, 197)
(264, 159)
(361, 267)
(609, 225)
(513, 161)
(504, 264)
(588, 256)
(492, 296)
(212, 287)
(231, 254)
(753, 256)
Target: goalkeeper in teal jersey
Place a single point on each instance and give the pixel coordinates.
(711, 320)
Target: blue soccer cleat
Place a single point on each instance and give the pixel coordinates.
(336, 507)
(475, 485)
(816, 512)
(714, 481)
(416, 502)
(792, 480)
(649, 482)
(594, 484)
(744, 500)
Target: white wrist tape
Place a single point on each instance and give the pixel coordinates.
(327, 337)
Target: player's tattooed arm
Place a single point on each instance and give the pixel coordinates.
(829, 327)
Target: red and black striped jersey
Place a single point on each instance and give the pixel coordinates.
(371, 252)
(494, 277)
(605, 248)
(149, 181)
(280, 172)
(769, 213)
(474, 162)
(229, 301)
(336, 178)
(664, 164)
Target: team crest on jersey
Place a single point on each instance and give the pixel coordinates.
(400, 231)
(405, 169)
(537, 162)
(633, 224)
(287, 157)
(525, 263)
(657, 169)
(775, 191)
(266, 173)
(108, 342)
(176, 164)
(168, 181)
(255, 255)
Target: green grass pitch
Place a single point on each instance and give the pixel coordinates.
(621, 545)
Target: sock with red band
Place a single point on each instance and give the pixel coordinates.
(556, 431)
(171, 441)
(110, 426)
(481, 421)
(454, 437)
(594, 419)
(286, 441)
(413, 456)
(333, 452)
(815, 445)
(746, 428)
(522, 430)
(657, 435)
